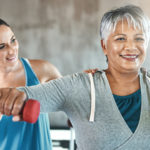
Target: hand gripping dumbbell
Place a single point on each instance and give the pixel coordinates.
(31, 111)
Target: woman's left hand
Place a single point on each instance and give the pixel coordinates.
(91, 71)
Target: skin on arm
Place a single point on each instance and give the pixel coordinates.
(44, 70)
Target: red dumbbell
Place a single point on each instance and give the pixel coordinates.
(31, 111)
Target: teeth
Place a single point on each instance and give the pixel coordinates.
(129, 56)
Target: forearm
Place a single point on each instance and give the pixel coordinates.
(51, 98)
(33, 93)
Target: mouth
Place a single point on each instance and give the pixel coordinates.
(130, 57)
(11, 59)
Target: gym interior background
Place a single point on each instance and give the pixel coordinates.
(64, 32)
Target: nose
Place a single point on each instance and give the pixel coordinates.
(11, 49)
(130, 45)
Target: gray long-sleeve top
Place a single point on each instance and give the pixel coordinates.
(109, 131)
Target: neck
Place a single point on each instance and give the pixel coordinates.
(123, 82)
(122, 77)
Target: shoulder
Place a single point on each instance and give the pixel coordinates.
(83, 79)
(74, 78)
(44, 70)
(74, 81)
(85, 75)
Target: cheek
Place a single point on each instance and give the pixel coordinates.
(143, 48)
(114, 49)
(2, 55)
(117, 47)
(16, 46)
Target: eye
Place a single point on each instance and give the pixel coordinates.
(120, 39)
(2, 46)
(140, 39)
(13, 40)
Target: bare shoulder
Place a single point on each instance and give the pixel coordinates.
(44, 70)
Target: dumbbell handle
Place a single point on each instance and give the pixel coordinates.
(31, 111)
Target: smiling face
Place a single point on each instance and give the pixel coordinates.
(125, 48)
(8, 47)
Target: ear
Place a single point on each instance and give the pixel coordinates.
(103, 45)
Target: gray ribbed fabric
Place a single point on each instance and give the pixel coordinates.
(109, 131)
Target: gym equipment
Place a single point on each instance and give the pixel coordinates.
(31, 111)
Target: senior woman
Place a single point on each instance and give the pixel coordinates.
(109, 110)
(16, 72)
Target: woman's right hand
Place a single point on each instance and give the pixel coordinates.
(12, 102)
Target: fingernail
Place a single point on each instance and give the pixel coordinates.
(16, 118)
(1, 116)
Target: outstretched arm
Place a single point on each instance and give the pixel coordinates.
(52, 95)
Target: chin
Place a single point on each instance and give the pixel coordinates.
(132, 69)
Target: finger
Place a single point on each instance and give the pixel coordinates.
(87, 71)
(94, 70)
(10, 100)
(19, 103)
(4, 95)
(17, 118)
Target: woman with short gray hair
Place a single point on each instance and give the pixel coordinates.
(109, 110)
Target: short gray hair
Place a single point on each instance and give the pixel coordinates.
(134, 16)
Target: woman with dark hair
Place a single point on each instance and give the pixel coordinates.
(111, 109)
(16, 72)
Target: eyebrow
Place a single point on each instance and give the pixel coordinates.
(12, 37)
(126, 35)
(119, 34)
(140, 34)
